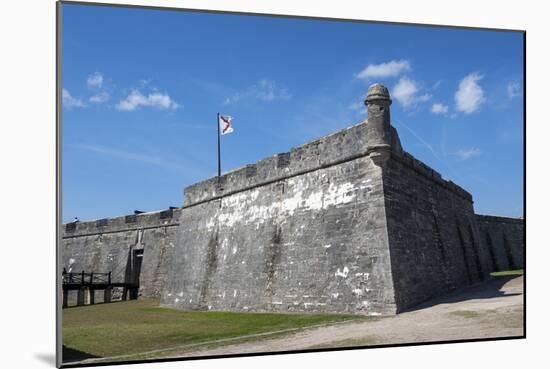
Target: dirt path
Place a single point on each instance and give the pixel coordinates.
(491, 309)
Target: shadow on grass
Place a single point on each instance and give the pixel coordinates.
(72, 355)
(487, 289)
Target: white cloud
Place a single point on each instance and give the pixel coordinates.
(265, 90)
(423, 98)
(95, 80)
(156, 100)
(390, 69)
(513, 89)
(70, 101)
(406, 93)
(100, 97)
(439, 109)
(465, 154)
(469, 96)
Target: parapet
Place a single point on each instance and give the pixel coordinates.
(497, 219)
(154, 219)
(343, 145)
(424, 170)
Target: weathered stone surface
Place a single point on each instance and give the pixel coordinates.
(112, 248)
(311, 242)
(503, 240)
(433, 235)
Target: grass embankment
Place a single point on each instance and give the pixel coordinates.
(506, 273)
(138, 326)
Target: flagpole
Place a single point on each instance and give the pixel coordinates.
(219, 155)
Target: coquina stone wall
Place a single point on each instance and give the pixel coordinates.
(300, 231)
(434, 238)
(113, 244)
(504, 241)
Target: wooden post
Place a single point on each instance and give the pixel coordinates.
(87, 295)
(65, 298)
(109, 279)
(80, 296)
(134, 293)
(107, 295)
(92, 296)
(91, 277)
(82, 278)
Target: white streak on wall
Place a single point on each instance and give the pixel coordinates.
(242, 207)
(343, 273)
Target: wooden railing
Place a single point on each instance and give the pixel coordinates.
(86, 278)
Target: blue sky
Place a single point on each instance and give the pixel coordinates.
(141, 89)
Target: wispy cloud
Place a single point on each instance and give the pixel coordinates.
(470, 95)
(429, 147)
(71, 102)
(390, 69)
(465, 154)
(265, 90)
(134, 156)
(406, 92)
(359, 107)
(422, 141)
(101, 97)
(155, 100)
(439, 108)
(513, 89)
(95, 81)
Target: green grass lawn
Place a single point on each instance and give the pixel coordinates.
(507, 273)
(137, 326)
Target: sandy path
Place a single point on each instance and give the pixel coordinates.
(491, 309)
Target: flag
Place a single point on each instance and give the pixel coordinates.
(225, 124)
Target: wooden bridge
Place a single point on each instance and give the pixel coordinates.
(87, 283)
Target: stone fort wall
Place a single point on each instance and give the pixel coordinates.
(325, 230)
(300, 231)
(504, 241)
(434, 238)
(114, 244)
